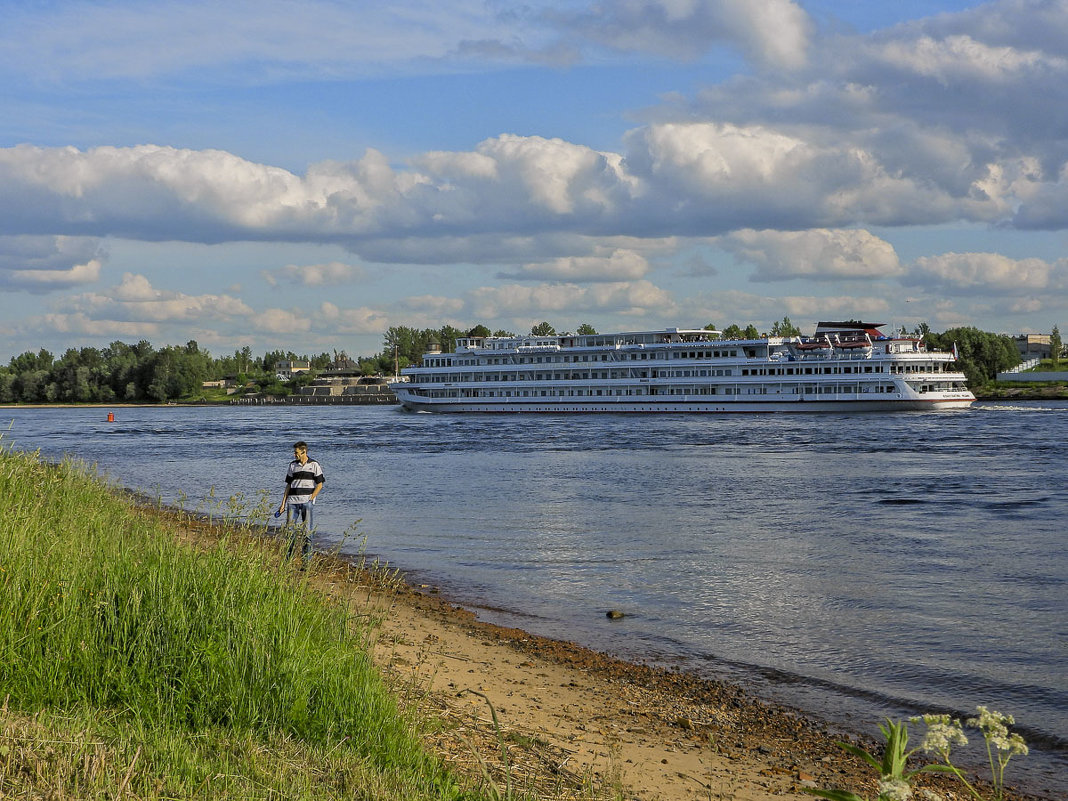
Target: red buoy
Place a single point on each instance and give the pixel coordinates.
(111, 417)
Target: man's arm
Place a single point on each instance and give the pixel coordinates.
(320, 479)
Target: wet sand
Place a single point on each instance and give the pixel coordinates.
(561, 721)
(571, 718)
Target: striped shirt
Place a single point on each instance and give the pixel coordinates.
(301, 480)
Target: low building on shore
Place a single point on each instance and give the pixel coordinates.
(1034, 346)
(285, 370)
(342, 386)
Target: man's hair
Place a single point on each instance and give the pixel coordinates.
(300, 446)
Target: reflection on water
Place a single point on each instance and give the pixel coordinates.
(855, 565)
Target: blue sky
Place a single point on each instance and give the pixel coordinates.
(303, 175)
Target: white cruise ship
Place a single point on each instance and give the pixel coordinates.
(845, 366)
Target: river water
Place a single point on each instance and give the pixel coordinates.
(854, 566)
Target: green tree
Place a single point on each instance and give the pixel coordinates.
(982, 355)
(586, 329)
(732, 331)
(479, 331)
(29, 362)
(1055, 345)
(785, 329)
(7, 387)
(447, 337)
(543, 329)
(751, 332)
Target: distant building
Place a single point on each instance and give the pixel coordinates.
(285, 370)
(342, 362)
(229, 384)
(1034, 346)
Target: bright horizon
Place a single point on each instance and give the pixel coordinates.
(300, 176)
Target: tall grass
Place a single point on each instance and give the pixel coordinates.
(103, 615)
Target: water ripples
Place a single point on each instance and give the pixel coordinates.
(856, 565)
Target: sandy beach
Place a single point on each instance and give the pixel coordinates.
(560, 721)
(570, 719)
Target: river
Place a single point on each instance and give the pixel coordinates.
(855, 566)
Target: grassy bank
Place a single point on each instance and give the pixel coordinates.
(133, 666)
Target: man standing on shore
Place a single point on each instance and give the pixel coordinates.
(304, 481)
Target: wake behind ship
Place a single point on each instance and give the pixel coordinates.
(844, 366)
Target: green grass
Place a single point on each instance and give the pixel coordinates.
(129, 661)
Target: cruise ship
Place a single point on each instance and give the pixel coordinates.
(844, 366)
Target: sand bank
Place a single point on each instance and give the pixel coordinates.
(562, 721)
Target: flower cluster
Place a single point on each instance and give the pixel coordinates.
(995, 729)
(942, 734)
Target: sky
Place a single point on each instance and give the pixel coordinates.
(303, 174)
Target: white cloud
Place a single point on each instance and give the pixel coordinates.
(960, 57)
(989, 274)
(83, 324)
(361, 320)
(819, 254)
(283, 322)
(328, 274)
(723, 308)
(769, 32)
(433, 306)
(77, 275)
(136, 300)
(47, 263)
(521, 302)
(619, 265)
(689, 179)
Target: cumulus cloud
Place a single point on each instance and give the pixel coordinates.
(961, 57)
(620, 265)
(818, 254)
(989, 273)
(282, 321)
(328, 274)
(82, 324)
(675, 179)
(518, 302)
(38, 280)
(736, 307)
(361, 320)
(136, 300)
(769, 32)
(45, 263)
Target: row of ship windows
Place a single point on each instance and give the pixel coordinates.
(641, 391)
(446, 378)
(450, 361)
(923, 367)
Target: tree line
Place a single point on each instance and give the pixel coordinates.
(141, 373)
(137, 373)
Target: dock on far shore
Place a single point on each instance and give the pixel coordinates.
(330, 391)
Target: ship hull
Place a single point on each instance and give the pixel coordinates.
(599, 405)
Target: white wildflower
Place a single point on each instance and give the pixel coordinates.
(991, 722)
(995, 728)
(942, 734)
(1011, 745)
(892, 789)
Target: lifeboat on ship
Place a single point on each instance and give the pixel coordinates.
(809, 345)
